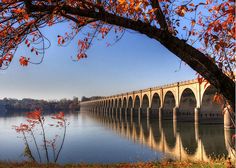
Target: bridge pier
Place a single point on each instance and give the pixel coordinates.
(175, 119)
(148, 113)
(229, 143)
(196, 130)
(120, 113)
(105, 111)
(139, 114)
(175, 127)
(196, 115)
(175, 113)
(116, 111)
(131, 114)
(228, 118)
(160, 113)
(113, 111)
(125, 113)
(109, 112)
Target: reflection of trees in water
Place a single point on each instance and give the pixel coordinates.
(188, 137)
(212, 137)
(168, 130)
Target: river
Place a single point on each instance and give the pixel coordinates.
(97, 139)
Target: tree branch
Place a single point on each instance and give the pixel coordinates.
(159, 14)
(190, 55)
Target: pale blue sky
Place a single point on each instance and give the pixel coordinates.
(135, 62)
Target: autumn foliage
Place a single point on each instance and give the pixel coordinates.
(34, 121)
(199, 32)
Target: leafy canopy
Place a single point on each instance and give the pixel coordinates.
(207, 25)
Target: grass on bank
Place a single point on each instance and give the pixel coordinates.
(165, 164)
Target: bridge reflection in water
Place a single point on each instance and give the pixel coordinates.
(181, 141)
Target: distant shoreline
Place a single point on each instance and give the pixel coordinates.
(8, 105)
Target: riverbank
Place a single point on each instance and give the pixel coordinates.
(166, 164)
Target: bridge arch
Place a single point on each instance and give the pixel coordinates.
(168, 105)
(130, 105)
(145, 105)
(116, 103)
(187, 105)
(109, 103)
(124, 103)
(119, 103)
(136, 105)
(112, 103)
(210, 110)
(155, 105)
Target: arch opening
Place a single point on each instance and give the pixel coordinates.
(168, 106)
(211, 111)
(155, 105)
(130, 105)
(136, 106)
(145, 106)
(116, 103)
(187, 105)
(119, 103)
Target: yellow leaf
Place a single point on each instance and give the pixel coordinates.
(122, 1)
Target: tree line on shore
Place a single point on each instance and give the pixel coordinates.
(11, 105)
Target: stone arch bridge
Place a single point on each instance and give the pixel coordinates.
(182, 101)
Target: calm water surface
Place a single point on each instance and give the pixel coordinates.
(96, 139)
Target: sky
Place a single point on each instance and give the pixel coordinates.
(135, 62)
